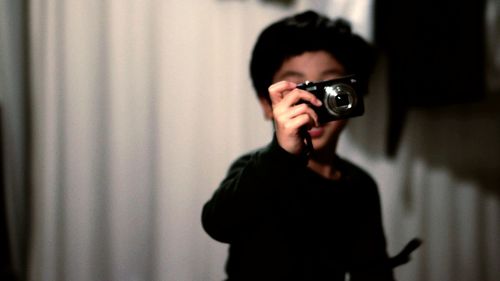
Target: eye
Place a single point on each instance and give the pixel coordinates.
(332, 74)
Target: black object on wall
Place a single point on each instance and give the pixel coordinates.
(435, 51)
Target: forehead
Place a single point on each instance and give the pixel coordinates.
(310, 65)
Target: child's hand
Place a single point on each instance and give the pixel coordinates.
(290, 116)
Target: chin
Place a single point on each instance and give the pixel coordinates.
(321, 144)
(330, 133)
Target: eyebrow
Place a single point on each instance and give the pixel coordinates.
(291, 73)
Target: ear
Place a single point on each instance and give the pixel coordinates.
(266, 108)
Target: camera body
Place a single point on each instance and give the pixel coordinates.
(342, 98)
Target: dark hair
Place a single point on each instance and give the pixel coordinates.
(307, 31)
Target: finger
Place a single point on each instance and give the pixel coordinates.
(298, 122)
(301, 109)
(277, 91)
(298, 95)
(298, 111)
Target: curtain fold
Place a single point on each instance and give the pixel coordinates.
(15, 134)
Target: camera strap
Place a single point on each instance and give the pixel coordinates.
(307, 139)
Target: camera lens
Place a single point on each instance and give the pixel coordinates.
(340, 99)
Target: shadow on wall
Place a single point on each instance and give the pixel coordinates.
(463, 139)
(430, 95)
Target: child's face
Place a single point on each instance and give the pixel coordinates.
(315, 66)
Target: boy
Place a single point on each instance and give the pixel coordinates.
(288, 214)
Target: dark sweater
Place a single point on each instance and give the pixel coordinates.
(285, 222)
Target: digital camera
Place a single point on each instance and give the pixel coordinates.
(342, 98)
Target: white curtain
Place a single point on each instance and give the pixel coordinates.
(138, 108)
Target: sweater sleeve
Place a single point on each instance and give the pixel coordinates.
(246, 195)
